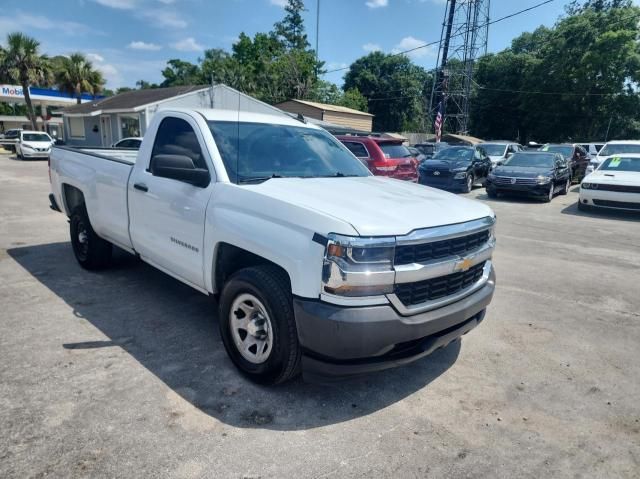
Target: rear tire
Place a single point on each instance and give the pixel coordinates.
(91, 251)
(258, 326)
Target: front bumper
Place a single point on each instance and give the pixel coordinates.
(343, 341)
(35, 154)
(447, 183)
(524, 190)
(610, 199)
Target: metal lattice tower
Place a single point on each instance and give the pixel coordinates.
(463, 39)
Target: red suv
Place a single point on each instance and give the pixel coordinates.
(383, 157)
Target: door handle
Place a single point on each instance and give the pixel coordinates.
(141, 187)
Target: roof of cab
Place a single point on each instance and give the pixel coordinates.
(214, 114)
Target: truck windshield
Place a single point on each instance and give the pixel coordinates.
(253, 152)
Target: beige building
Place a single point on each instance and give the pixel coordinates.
(336, 115)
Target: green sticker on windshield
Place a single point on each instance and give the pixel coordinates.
(545, 148)
(615, 162)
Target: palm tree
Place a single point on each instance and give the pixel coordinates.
(77, 76)
(22, 62)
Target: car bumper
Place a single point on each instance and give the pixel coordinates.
(610, 199)
(446, 184)
(35, 154)
(339, 341)
(525, 190)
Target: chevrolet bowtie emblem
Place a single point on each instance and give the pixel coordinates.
(464, 264)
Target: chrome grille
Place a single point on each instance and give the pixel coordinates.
(506, 180)
(421, 253)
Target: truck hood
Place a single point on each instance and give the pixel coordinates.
(375, 206)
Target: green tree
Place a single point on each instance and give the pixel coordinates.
(290, 30)
(76, 76)
(179, 72)
(23, 63)
(567, 82)
(395, 89)
(352, 98)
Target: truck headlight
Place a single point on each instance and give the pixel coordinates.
(543, 180)
(357, 266)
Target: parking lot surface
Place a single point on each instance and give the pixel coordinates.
(122, 373)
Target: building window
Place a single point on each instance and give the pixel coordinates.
(129, 126)
(76, 127)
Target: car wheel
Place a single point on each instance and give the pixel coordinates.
(469, 183)
(91, 251)
(566, 188)
(257, 324)
(549, 197)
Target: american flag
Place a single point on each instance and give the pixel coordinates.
(438, 123)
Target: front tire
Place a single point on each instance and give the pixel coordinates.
(549, 197)
(91, 251)
(567, 187)
(257, 324)
(468, 186)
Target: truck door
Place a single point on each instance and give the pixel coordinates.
(167, 216)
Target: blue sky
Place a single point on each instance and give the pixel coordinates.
(129, 40)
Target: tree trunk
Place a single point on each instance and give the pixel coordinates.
(27, 99)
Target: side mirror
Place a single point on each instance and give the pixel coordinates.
(498, 163)
(180, 168)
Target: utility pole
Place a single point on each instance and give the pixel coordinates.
(463, 40)
(317, 35)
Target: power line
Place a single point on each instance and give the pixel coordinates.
(511, 15)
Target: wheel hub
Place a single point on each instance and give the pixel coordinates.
(251, 328)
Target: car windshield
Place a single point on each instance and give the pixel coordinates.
(254, 152)
(35, 137)
(535, 160)
(564, 150)
(619, 148)
(618, 163)
(455, 153)
(493, 149)
(394, 150)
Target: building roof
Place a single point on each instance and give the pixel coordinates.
(131, 100)
(327, 107)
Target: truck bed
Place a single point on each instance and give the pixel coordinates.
(102, 175)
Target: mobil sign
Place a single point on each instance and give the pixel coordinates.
(11, 91)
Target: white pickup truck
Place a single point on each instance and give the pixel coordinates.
(317, 265)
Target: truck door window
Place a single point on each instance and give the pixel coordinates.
(176, 137)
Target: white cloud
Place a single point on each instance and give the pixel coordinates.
(119, 4)
(279, 3)
(26, 21)
(139, 45)
(164, 18)
(95, 57)
(409, 43)
(371, 47)
(188, 45)
(377, 3)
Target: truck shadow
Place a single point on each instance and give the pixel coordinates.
(172, 331)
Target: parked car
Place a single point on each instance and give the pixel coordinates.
(383, 156)
(317, 265)
(456, 168)
(33, 144)
(417, 154)
(576, 157)
(592, 148)
(613, 148)
(10, 139)
(499, 151)
(130, 142)
(615, 184)
(539, 174)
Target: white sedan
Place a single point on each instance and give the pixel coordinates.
(615, 184)
(33, 144)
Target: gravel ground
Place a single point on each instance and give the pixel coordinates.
(122, 373)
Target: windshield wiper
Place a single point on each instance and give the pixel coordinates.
(258, 179)
(337, 174)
